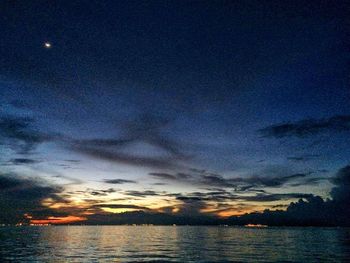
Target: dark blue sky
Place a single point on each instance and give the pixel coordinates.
(177, 97)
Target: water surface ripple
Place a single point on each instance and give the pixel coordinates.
(173, 244)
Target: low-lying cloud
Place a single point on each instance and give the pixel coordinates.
(21, 195)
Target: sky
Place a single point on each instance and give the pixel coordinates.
(186, 108)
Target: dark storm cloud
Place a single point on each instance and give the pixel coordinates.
(18, 133)
(119, 181)
(308, 127)
(20, 195)
(342, 177)
(341, 193)
(313, 211)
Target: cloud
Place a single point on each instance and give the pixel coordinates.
(303, 158)
(223, 195)
(72, 161)
(168, 176)
(129, 159)
(341, 193)
(144, 193)
(203, 207)
(121, 206)
(71, 180)
(18, 133)
(159, 184)
(20, 196)
(199, 177)
(269, 181)
(23, 161)
(145, 129)
(191, 205)
(216, 180)
(205, 178)
(313, 211)
(273, 197)
(308, 127)
(101, 192)
(149, 128)
(310, 181)
(119, 181)
(165, 176)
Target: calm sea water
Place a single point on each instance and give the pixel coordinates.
(173, 244)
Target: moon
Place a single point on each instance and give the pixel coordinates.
(47, 45)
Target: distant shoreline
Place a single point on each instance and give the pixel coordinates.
(154, 225)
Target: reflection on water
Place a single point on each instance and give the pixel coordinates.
(173, 244)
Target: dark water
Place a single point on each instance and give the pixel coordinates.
(173, 244)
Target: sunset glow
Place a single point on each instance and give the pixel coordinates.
(175, 112)
(57, 220)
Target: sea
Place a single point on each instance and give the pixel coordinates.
(173, 244)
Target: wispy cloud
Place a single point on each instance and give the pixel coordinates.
(144, 193)
(204, 178)
(23, 161)
(148, 129)
(19, 134)
(303, 158)
(308, 127)
(119, 181)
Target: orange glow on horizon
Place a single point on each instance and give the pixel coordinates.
(230, 213)
(58, 220)
(239, 212)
